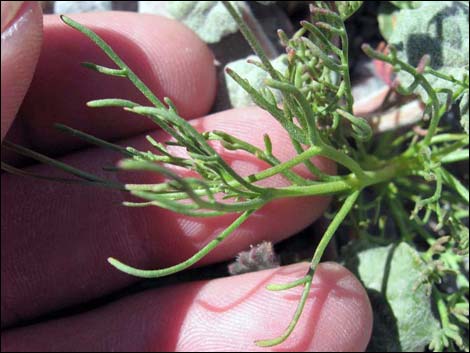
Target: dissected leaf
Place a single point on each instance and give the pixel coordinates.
(393, 276)
(439, 29)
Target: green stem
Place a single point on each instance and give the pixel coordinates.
(189, 262)
(300, 158)
(401, 217)
(285, 286)
(313, 169)
(125, 70)
(441, 307)
(293, 323)
(335, 223)
(60, 165)
(445, 151)
(251, 39)
(343, 159)
(94, 140)
(448, 137)
(395, 168)
(345, 65)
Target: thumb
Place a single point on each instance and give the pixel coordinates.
(21, 26)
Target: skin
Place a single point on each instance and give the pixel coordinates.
(56, 237)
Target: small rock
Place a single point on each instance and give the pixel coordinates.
(153, 7)
(210, 20)
(254, 75)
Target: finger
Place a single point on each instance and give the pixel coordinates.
(21, 42)
(226, 314)
(56, 237)
(167, 56)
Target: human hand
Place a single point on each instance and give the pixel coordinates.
(56, 237)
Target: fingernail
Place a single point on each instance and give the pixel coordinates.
(9, 10)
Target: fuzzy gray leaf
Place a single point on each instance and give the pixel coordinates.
(437, 28)
(209, 19)
(403, 319)
(387, 18)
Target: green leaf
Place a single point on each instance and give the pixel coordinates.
(209, 19)
(403, 318)
(439, 29)
(347, 8)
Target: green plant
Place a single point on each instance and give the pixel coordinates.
(317, 112)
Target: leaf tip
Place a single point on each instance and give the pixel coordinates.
(65, 19)
(113, 262)
(366, 47)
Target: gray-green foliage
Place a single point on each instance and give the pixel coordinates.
(387, 18)
(393, 276)
(439, 29)
(208, 19)
(383, 176)
(255, 76)
(388, 12)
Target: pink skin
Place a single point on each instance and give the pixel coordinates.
(226, 314)
(168, 57)
(21, 43)
(69, 239)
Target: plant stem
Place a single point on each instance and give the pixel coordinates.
(189, 262)
(307, 280)
(125, 70)
(250, 38)
(345, 64)
(330, 231)
(398, 167)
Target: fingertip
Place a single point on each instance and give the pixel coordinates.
(21, 43)
(169, 58)
(226, 314)
(236, 312)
